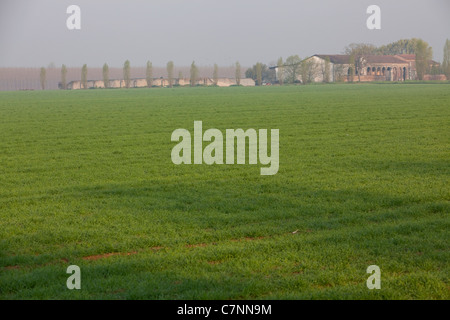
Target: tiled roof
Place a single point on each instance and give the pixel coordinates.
(384, 59)
(345, 59)
(335, 58)
(407, 57)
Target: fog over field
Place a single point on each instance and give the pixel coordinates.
(29, 78)
(34, 33)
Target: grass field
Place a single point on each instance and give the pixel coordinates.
(87, 179)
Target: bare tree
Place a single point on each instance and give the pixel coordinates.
(43, 76)
(149, 74)
(126, 73)
(64, 77)
(216, 74)
(280, 71)
(360, 64)
(84, 72)
(106, 75)
(169, 68)
(194, 74)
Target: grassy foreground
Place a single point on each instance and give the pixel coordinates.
(86, 178)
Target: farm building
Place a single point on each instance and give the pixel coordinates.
(159, 82)
(367, 68)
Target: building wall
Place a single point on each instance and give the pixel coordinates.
(142, 83)
(434, 77)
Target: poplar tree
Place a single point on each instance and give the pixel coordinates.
(170, 73)
(64, 77)
(216, 74)
(194, 74)
(43, 77)
(446, 60)
(126, 73)
(238, 73)
(84, 72)
(280, 71)
(424, 53)
(259, 73)
(293, 68)
(106, 75)
(149, 74)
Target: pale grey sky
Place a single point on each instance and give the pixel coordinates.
(33, 33)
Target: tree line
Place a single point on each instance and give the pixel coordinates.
(194, 75)
(290, 69)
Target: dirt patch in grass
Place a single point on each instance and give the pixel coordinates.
(11, 267)
(196, 245)
(107, 255)
(249, 239)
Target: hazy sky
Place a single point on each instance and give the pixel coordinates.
(33, 33)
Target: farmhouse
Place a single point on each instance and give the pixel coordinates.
(340, 67)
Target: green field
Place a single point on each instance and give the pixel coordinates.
(86, 178)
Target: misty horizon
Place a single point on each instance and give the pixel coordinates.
(34, 33)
